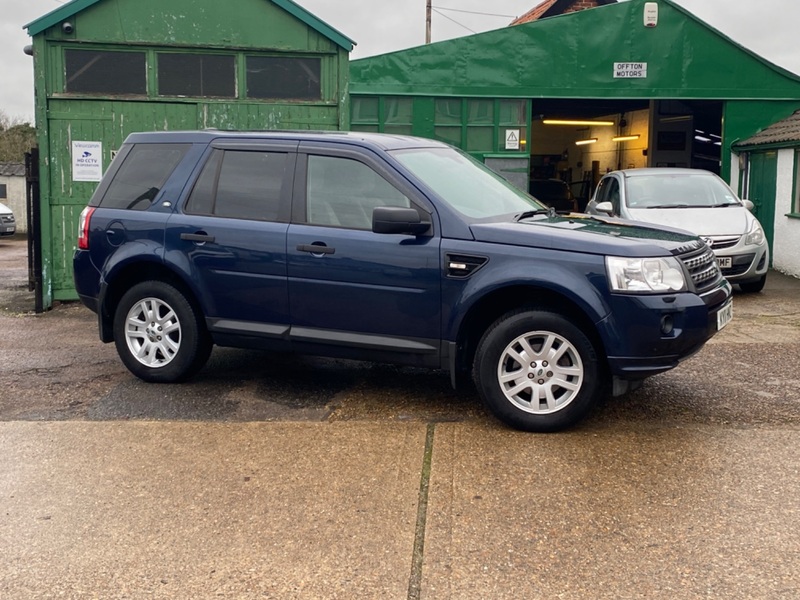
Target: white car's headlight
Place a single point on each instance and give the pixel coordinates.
(755, 236)
(645, 274)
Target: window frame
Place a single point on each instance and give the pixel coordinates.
(329, 66)
(381, 125)
(222, 145)
(795, 208)
(246, 56)
(157, 70)
(497, 124)
(133, 51)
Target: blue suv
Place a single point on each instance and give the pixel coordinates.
(384, 248)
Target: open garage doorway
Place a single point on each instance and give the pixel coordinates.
(578, 141)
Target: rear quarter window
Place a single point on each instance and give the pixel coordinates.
(142, 175)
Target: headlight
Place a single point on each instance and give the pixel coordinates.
(756, 235)
(645, 274)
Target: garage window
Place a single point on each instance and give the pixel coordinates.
(104, 72)
(796, 198)
(197, 75)
(480, 125)
(293, 77)
(385, 114)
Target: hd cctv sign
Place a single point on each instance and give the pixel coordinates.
(87, 161)
(630, 70)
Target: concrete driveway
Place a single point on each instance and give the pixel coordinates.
(278, 477)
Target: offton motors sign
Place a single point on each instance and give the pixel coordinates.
(630, 70)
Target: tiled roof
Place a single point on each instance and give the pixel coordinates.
(787, 130)
(534, 13)
(551, 8)
(12, 170)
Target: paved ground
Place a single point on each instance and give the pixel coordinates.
(281, 477)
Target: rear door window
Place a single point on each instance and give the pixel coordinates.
(142, 175)
(240, 184)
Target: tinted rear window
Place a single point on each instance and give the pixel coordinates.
(240, 185)
(142, 175)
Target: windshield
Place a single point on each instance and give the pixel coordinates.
(464, 183)
(695, 190)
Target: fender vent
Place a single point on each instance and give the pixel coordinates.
(461, 266)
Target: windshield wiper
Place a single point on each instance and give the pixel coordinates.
(532, 213)
(726, 204)
(669, 206)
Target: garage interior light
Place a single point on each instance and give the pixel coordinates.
(584, 142)
(577, 123)
(625, 138)
(676, 119)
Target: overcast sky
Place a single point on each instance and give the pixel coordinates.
(767, 27)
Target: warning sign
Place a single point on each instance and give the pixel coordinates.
(512, 139)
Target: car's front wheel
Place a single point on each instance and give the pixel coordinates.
(536, 371)
(158, 334)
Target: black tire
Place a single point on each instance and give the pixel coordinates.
(172, 346)
(560, 359)
(753, 287)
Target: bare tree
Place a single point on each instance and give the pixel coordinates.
(17, 137)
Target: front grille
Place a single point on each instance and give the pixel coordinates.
(702, 266)
(7, 219)
(722, 242)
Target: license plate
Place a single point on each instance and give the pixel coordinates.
(725, 262)
(724, 315)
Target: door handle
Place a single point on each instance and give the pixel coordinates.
(197, 237)
(315, 249)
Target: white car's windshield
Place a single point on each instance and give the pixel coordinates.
(465, 184)
(701, 190)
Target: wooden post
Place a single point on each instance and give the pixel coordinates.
(428, 22)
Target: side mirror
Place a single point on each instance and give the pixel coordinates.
(397, 219)
(605, 207)
(748, 204)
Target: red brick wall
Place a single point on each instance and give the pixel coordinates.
(581, 5)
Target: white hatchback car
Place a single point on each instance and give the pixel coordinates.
(697, 201)
(8, 225)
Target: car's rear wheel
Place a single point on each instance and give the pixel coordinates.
(753, 287)
(158, 334)
(536, 371)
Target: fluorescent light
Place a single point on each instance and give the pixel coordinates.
(577, 123)
(584, 142)
(677, 119)
(701, 138)
(625, 138)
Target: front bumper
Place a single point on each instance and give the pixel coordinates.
(748, 263)
(660, 331)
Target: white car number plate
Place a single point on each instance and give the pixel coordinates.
(724, 315)
(725, 262)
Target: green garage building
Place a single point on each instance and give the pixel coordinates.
(106, 68)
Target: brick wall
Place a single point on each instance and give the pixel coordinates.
(581, 5)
